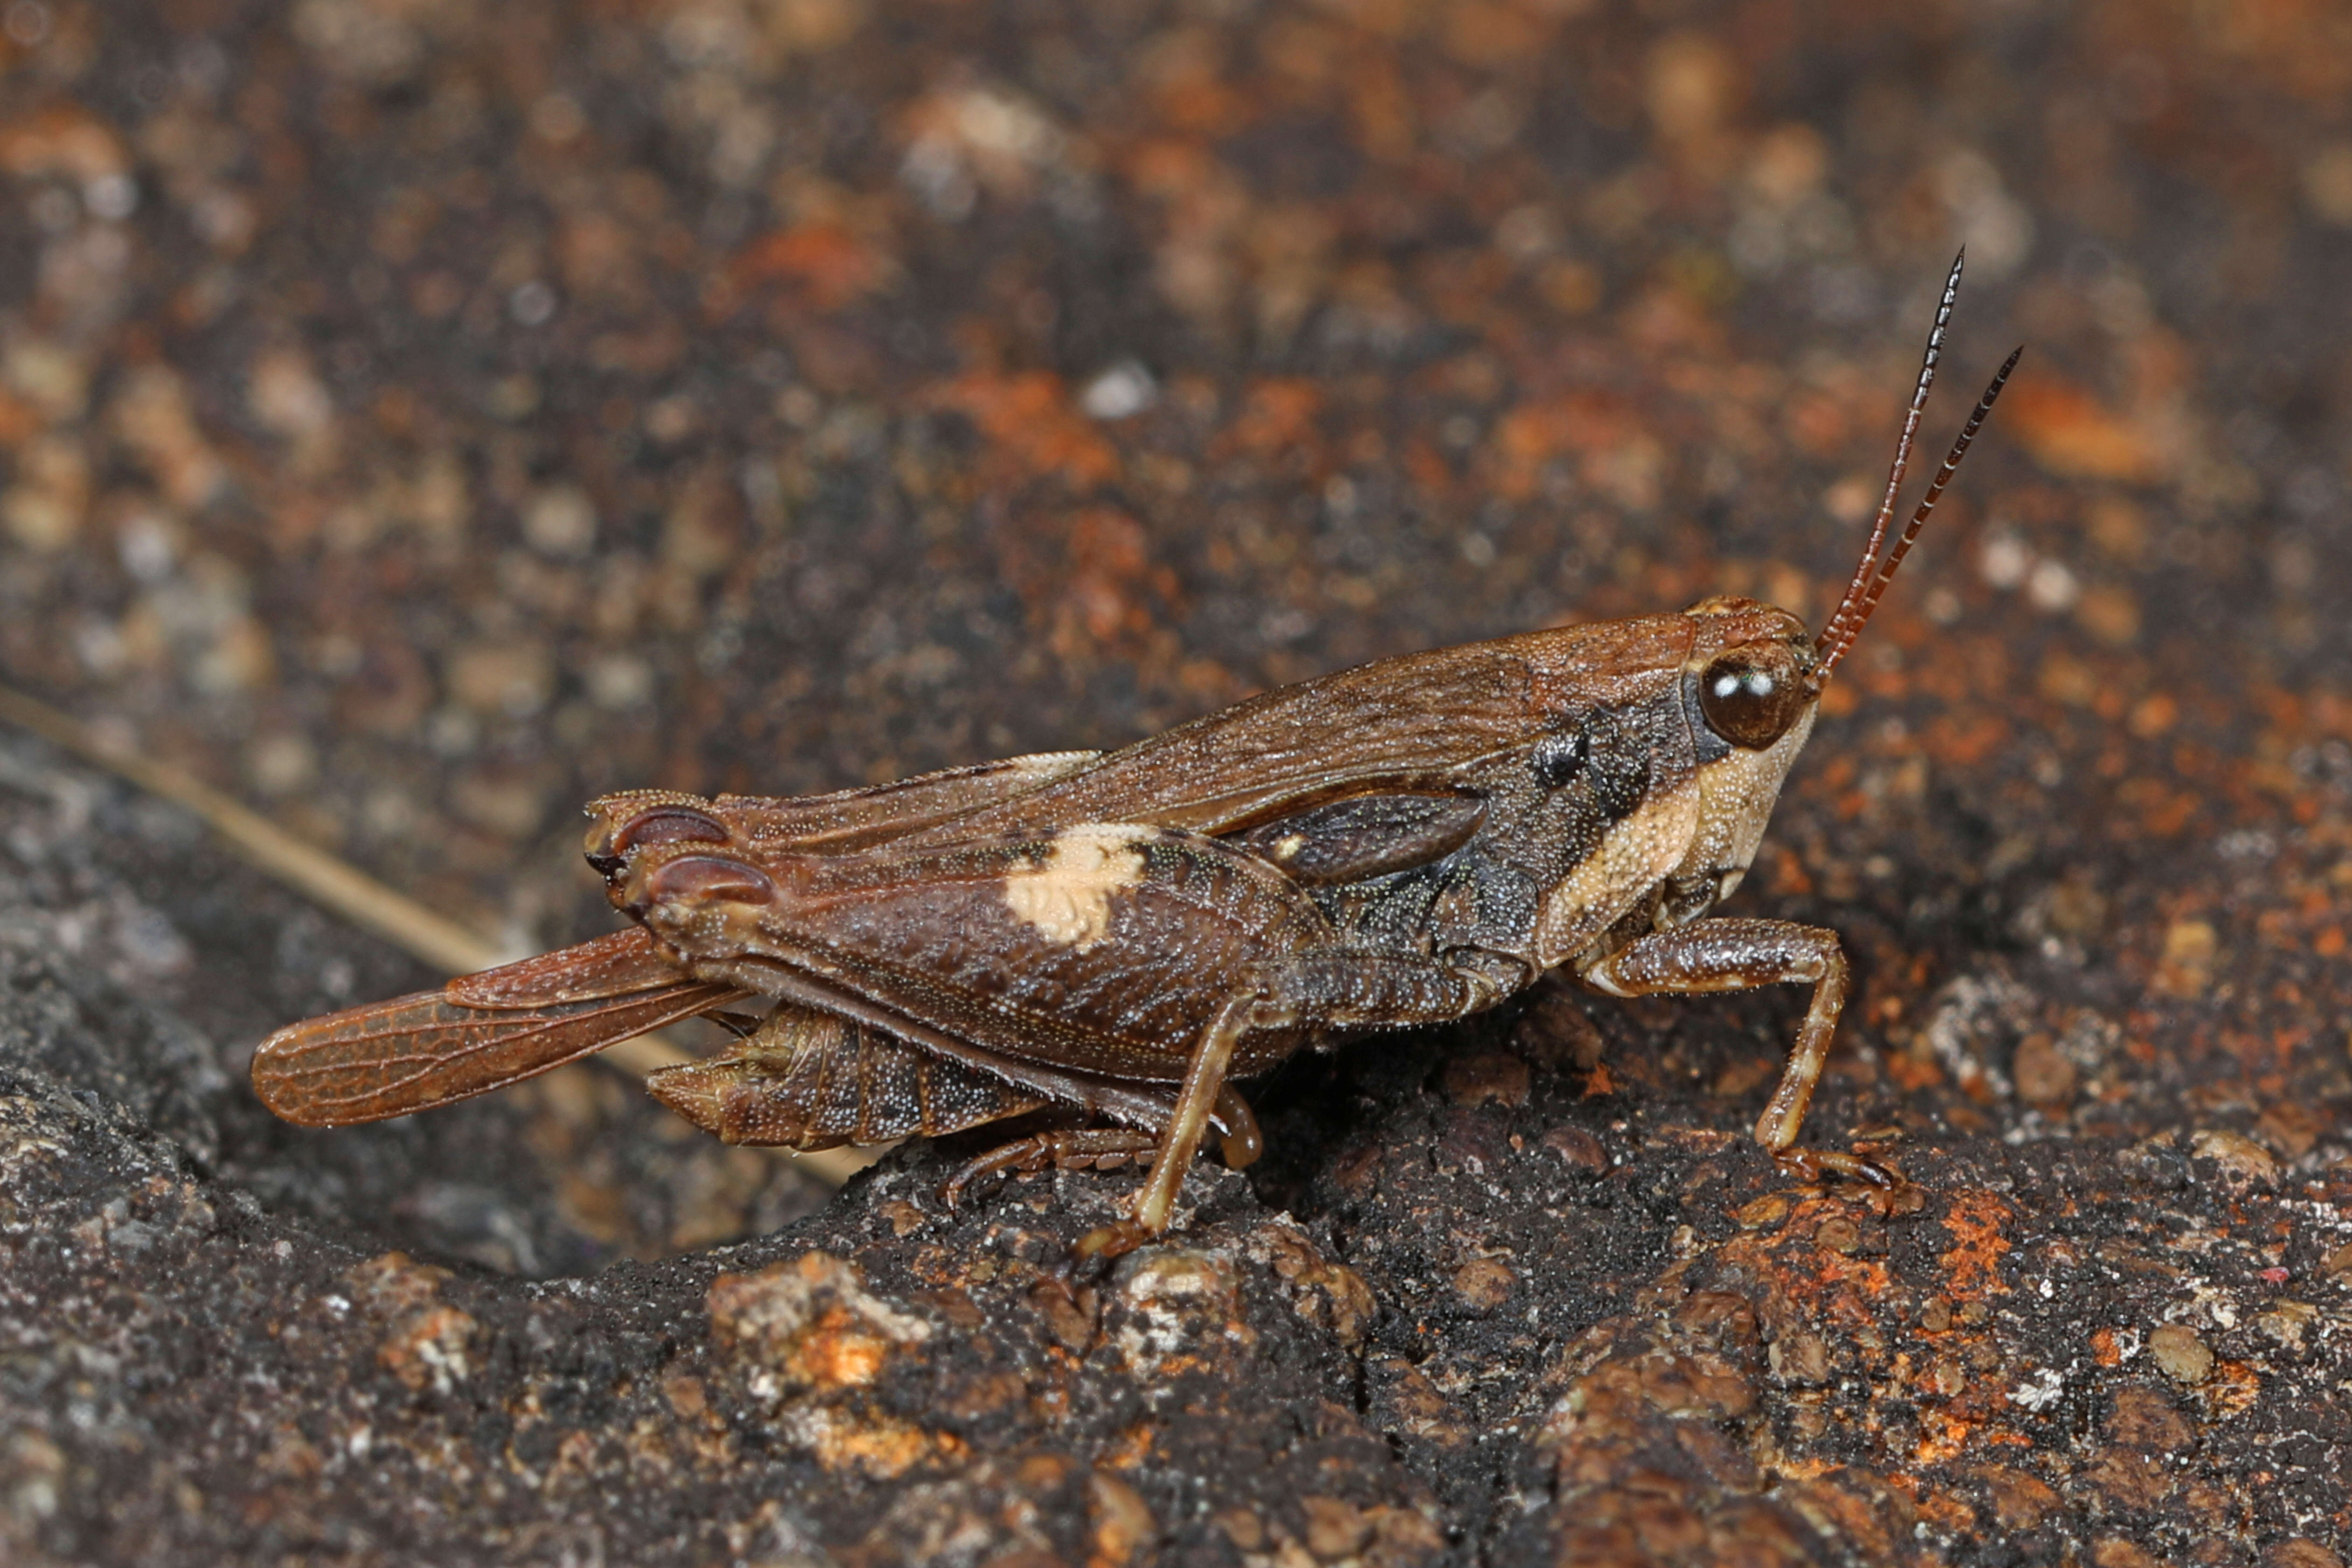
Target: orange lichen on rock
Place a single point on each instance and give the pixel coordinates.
(1599, 428)
(1277, 423)
(1977, 1221)
(812, 1342)
(882, 1447)
(2070, 433)
(1033, 428)
(812, 1321)
(1814, 1260)
(822, 265)
(426, 1340)
(1105, 594)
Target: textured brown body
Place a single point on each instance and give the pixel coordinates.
(1123, 933)
(967, 910)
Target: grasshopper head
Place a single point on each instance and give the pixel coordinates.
(1750, 686)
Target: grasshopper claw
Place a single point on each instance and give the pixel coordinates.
(1103, 1243)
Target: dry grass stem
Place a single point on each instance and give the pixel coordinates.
(342, 889)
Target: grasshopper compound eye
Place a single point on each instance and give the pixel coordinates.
(1750, 695)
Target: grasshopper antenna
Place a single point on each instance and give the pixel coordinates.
(1872, 573)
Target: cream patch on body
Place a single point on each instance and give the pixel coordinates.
(1066, 897)
(1632, 858)
(1737, 794)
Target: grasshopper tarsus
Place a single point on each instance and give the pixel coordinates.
(1066, 1148)
(1104, 1244)
(1117, 936)
(1813, 1166)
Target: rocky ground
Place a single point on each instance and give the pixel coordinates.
(419, 417)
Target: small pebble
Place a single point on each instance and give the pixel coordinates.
(1335, 1528)
(1489, 1076)
(2183, 1357)
(1485, 1283)
(2243, 1162)
(1839, 1235)
(2044, 1076)
(1581, 1152)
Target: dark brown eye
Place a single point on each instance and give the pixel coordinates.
(1752, 695)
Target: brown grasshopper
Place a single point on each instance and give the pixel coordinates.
(1119, 935)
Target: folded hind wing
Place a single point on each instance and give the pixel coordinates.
(482, 1032)
(622, 963)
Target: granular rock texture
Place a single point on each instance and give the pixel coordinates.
(420, 416)
(1497, 1300)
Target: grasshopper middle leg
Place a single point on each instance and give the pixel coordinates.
(1325, 988)
(1102, 1147)
(1068, 1148)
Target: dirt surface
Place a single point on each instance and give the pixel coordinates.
(420, 418)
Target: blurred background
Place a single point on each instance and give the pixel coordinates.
(418, 418)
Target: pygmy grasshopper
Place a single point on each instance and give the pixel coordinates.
(1119, 936)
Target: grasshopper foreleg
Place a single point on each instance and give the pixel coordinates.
(1738, 955)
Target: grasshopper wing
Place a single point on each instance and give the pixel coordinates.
(622, 963)
(482, 1032)
(1418, 724)
(840, 823)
